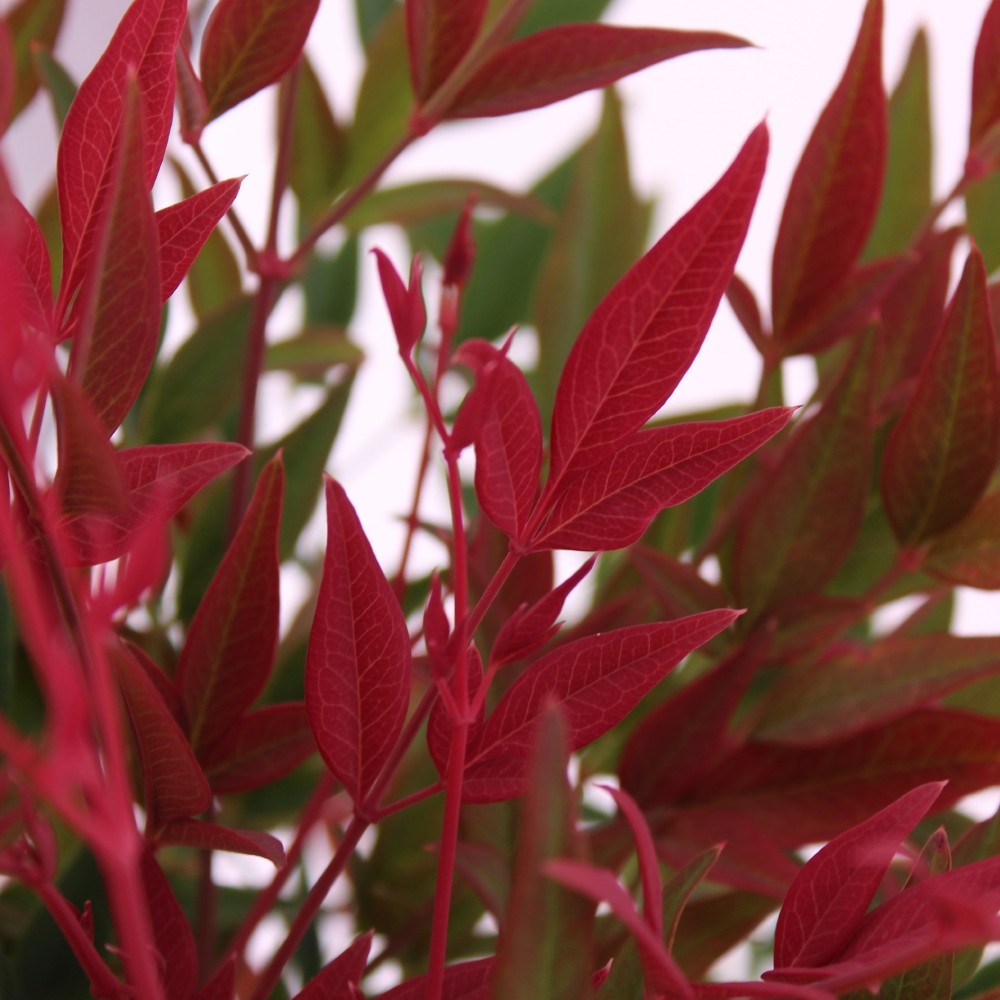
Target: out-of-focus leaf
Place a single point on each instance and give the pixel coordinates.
(31, 23)
(312, 353)
(249, 44)
(339, 979)
(835, 191)
(60, 86)
(598, 235)
(464, 981)
(969, 552)
(985, 93)
(906, 197)
(941, 454)
(981, 198)
(439, 33)
(800, 524)
(211, 837)
(370, 14)
(175, 946)
(710, 927)
(543, 14)
(331, 286)
(544, 922)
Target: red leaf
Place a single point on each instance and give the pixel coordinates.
(465, 981)
(358, 663)
(439, 33)
(508, 440)
(183, 229)
(177, 955)
(159, 480)
(941, 454)
(175, 785)
(557, 63)
(985, 93)
(832, 892)
(641, 339)
(211, 837)
(969, 553)
(222, 986)
(229, 649)
(531, 626)
(609, 505)
(406, 303)
(260, 748)
(33, 255)
(835, 191)
(116, 319)
(249, 44)
(597, 681)
(143, 43)
(439, 726)
(339, 979)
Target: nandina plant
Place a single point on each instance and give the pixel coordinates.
(154, 715)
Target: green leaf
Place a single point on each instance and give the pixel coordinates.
(312, 353)
(548, 13)
(370, 15)
(331, 286)
(906, 197)
(599, 234)
(981, 199)
(31, 23)
(61, 87)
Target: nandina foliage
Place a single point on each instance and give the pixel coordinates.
(155, 713)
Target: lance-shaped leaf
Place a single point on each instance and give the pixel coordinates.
(177, 953)
(260, 748)
(144, 44)
(969, 553)
(439, 725)
(557, 63)
(339, 979)
(508, 439)
(33, 256)
(985, 91)
(610, 504)
(860, 690)
(158, 481)
(185, 227)
(31, 22)
(439, 33)
(832, 892)
(835, 191)
(118, 312)
(358, 664)
(544, 921)
(645, 333)
(249, 44)
(799, 795)
(229, 650)
(405, 302)
(464, 981)
(175, 785)
(941, 454)
(597, 681)
(799, 527)
(212, 837)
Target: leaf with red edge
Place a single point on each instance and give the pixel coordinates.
(941, 454)
(835, 191)
(641, 339)
(177, 954)
(30, 23)
(464, 981)
(211, 837)
(249, 44)
(531, 626)
(405, 302)
(610, 504)
(597, 680)
(798, 795)
(260, 748)
(339, 979)
(229, 649)
(439, 33)
(33, 256)
(557, 63)
(116, 320)
(185, 227)
(831, 894)
(159, 480)
(969, 553)
(800, 523)
(508, 440)
(358, 662)
(175, 785)
(985, 95)
(143, 43)
(816, 702)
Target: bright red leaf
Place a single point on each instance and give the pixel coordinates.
(358, 663)
(339, 979)
(230, 646)
(611, 503)
(183, 229)
(557, 63)
(464, 981)
(439, 33)
(832, 892)
(177, 954)
(835, 191)
(941, 454)
(597, 681)
(405, 302)
(641, 339)
(249, 44)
